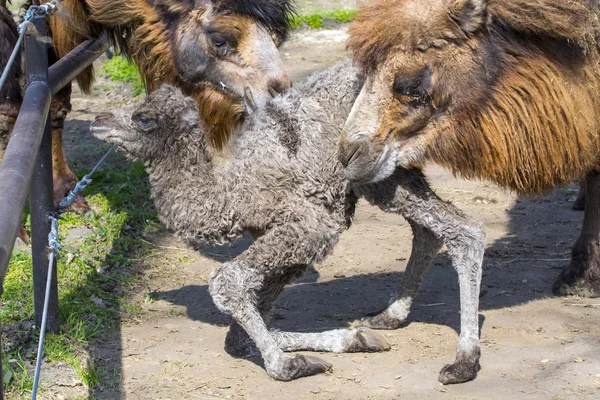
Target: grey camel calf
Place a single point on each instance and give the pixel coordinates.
(281, 181)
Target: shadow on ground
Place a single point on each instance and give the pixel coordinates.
(518, 268)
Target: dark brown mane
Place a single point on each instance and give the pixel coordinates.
(142, 31)
(380, 26)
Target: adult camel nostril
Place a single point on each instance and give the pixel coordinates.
(279, 85)
(348, 153)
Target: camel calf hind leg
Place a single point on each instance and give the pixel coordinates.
(435, 221)
(239, 344)
(582, 276)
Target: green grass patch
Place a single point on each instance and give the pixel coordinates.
(315, 21)
(120, 69)
(92, 275)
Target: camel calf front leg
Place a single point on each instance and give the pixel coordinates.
(235, 286)
(435, 221)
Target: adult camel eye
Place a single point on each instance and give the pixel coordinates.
(218, 41)
(414, 86)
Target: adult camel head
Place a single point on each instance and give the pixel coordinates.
(215, 50)
(470, 84)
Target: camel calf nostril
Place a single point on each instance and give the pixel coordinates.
(104, 115)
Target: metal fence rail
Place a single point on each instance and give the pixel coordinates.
(27, 165)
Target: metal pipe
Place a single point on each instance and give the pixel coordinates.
(41, 205)
(16, 170)
(41, 192)
(21, 153)
(67, 68)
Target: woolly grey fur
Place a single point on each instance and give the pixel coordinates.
(281, 180)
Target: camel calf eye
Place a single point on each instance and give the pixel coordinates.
(145, 122)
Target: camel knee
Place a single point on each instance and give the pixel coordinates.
(232, 285)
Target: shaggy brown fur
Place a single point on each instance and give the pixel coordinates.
(528, 113)
(145, 31)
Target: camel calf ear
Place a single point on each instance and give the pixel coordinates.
(470, 15)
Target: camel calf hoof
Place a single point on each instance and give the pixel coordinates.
(368, 341)
(299, 366)
(383, 321)
(464, 369)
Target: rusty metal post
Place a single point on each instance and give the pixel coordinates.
(41, 198)
(16, 169)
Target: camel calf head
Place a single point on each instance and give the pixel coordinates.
(165, 125)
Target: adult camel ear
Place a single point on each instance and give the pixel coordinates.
(470, 15)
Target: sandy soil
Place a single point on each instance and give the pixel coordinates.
(534, 345)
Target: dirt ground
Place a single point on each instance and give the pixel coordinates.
(534, 345)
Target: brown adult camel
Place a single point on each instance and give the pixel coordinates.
(503, 90)
(214, 50)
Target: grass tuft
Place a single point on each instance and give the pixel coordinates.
(315, 21)
(94, 271)
(119, 69)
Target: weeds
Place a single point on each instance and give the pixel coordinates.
(119, 69)
(316, 21)
(93, 271)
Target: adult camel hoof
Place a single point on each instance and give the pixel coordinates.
(62, 187)
(569, 285)
(300, 366)
(367, 341)
(464, 369)
(80, 206)
(582, 277)
(22, 234)
(383, 321)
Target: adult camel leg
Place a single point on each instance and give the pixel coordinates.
(579, 203)
(10, 95)
(437, 221)
(64, 178)
(235, 286)
(582, 276)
